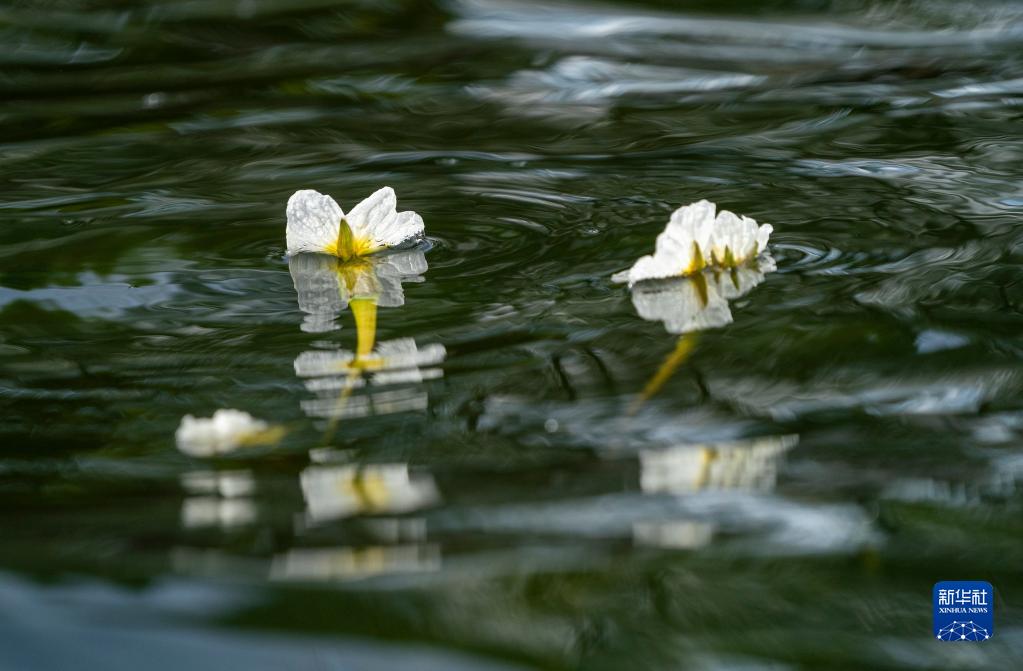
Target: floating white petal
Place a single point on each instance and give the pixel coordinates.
(316, 223)
(695, 239)
(378, 221)
(227, 430)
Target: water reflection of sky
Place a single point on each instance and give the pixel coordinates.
(96, 296)
(170, 625)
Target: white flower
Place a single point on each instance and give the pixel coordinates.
(697, 302)
(695, 239)
(316, 223)
(326, 285)
(227, 430)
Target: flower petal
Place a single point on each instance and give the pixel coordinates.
(314, 221)
(693, 222)
(763, 234)
(695, 239)
(661, 265)
(376, 212)
(727, 242)
(377, 220)
(409, 226)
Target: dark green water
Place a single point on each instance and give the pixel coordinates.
(785, 501)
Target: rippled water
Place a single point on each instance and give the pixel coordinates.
(541, 470)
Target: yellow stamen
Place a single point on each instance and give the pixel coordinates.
(348, 246)
(729, 258)
(698, 263)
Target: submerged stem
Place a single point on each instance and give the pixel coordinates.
(683, 349)
(365, 312)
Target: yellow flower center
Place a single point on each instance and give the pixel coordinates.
(349, 246)
(697, 263)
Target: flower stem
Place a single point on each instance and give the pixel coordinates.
(683, 349)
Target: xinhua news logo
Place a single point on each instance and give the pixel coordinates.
(964, 610)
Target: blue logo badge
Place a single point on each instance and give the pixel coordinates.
(964, 610)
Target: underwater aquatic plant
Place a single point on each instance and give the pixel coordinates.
(226, 431)
(316, 223)
(695, 239)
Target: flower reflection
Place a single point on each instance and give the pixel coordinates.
(378, 372)
(698, 302)
(688, 305)
(218, 499)
(750, 465)
(327, 286)
(226, 431)
(338, 491)
(353, 563)
(673, 534)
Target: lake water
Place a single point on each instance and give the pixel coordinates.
(552, 477)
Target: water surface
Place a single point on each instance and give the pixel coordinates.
(785, 498)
